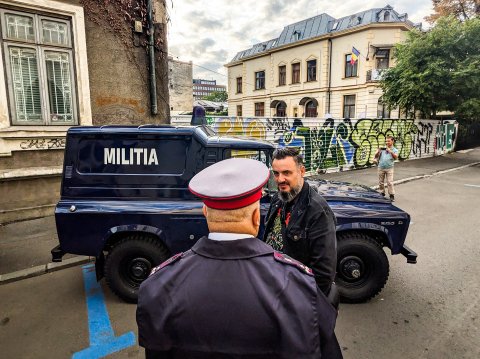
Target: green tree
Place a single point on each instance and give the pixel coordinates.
(461, 9)
(217, 96)
(437, 70)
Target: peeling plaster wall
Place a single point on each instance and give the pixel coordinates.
(180, 78)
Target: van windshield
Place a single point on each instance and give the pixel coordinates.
(264, 156)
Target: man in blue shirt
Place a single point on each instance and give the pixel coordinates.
(386, 157)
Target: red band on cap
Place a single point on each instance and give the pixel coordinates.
(233, 203)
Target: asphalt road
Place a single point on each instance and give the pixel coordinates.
(427, 310)
(430, 309)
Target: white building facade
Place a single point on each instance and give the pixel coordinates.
(308, 70)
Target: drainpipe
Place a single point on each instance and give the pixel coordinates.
(329, 73)
(151, 53)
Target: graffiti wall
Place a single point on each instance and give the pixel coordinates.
(337, 145)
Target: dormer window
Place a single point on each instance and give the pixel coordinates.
(335, 25)
(296, 35)
(354, 20)
(386, 16)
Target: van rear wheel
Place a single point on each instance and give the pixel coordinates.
(129, 263)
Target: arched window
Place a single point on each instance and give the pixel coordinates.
(383, 111)
(386, 16)
(311, 109)
(281, 110)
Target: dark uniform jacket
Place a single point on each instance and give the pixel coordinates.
(310, 235)
(234, 299)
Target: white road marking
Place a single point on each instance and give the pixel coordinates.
(472, 185)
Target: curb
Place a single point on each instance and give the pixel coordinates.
(414, 178)
(43, 269)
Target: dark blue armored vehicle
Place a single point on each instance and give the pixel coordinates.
(125, 201)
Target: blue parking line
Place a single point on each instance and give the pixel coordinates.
(102, 339)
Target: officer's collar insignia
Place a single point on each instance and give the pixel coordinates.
(288, 260)
(166, 263)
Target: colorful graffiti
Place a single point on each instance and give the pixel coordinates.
(329, 144)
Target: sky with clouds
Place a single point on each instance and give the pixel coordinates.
(210, 32)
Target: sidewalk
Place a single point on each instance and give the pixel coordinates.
(25, 246)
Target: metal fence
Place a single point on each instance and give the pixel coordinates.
(330, 145)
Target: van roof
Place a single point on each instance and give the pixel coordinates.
(204, 134)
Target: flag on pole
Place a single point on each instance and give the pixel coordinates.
(355, 55)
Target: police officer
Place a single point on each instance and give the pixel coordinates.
(232, 295)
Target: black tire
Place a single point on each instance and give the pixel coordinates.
(362, 267)
(129, 263)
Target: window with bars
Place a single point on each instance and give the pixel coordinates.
(259, 80)
(295, 73)
(349, 106)
(259, 108)
(39, 67)
(350, 68)
(282, 75)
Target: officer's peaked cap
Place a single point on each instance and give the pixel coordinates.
(230, 184)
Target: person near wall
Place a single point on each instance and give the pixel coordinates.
(386, 157)
(300, 223)
(231, 295)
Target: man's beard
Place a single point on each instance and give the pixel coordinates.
(290, 195)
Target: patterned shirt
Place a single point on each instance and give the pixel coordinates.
(275, 237)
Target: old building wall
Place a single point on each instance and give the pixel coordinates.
(109, 83)
(180, 77)
(119, 72)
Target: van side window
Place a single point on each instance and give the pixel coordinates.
(133, 156)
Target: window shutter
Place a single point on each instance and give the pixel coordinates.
(26, 87)
(59, 86)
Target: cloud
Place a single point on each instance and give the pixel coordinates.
(211, 32)
(275, 6)
(203, 20)
(206, 43)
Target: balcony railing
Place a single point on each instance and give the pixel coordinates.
(375, 74)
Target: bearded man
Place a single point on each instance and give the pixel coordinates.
(299, 222)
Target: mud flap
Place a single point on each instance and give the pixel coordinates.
(99, 266)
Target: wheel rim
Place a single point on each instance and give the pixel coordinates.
(135, 270)
(353, 270)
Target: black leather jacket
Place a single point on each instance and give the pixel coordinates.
(310, 235)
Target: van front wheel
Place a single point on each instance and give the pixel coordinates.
(129, 263)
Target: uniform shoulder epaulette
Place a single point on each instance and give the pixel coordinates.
(169, 261)
(283, 258)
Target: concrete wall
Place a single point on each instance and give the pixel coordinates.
(338, 145)
(180, 79)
